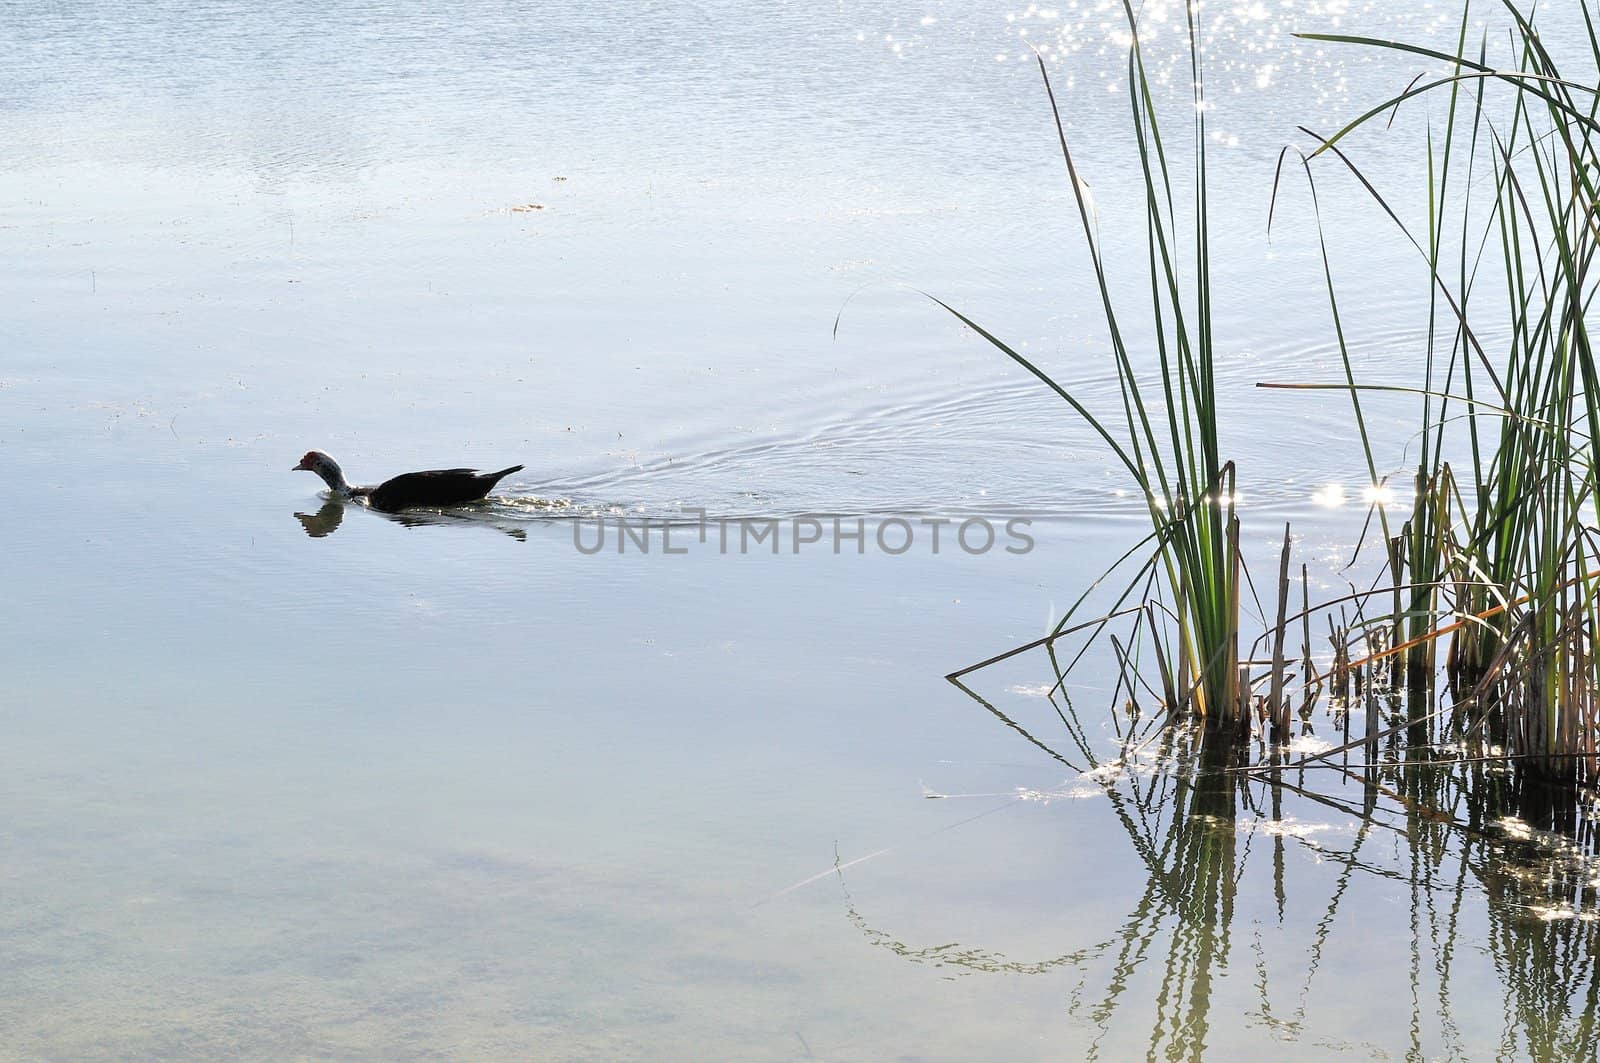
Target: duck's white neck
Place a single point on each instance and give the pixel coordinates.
(333, 476)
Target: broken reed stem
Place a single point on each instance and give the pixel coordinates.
(1122, 675)
(1397, 635)
(1168, 690)
(1231, 704)
(1308, 696)
(1183, 648)
(1372, 727)
(1276, 705)
(1459, 624)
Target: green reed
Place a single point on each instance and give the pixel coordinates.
(1167, 440)
(1514, 546)
(1496, 545)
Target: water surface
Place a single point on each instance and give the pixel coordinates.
(450, 787)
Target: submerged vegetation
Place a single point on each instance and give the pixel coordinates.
(1478, 636)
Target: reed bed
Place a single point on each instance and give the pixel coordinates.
(1482, 621)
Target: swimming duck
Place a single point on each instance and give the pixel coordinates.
(435, 487)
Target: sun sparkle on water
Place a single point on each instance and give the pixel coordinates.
(1330, 496)
(1249, 44)
(1378, 494)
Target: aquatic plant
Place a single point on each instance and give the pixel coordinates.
(1493, 555)
(1168, 440)
(1512, 555)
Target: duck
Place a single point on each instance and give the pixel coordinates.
(433, 487)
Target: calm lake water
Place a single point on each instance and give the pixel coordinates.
(291, 782)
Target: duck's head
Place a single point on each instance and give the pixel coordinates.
(318, 462)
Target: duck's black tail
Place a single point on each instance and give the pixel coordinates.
(503, 473)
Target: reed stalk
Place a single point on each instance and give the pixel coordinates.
(1512, 542)
(1167, 438)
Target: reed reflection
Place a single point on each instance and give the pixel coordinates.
(1384, 883)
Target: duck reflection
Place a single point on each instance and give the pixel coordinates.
(326, 521)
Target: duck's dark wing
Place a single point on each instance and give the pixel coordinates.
(436, 487)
